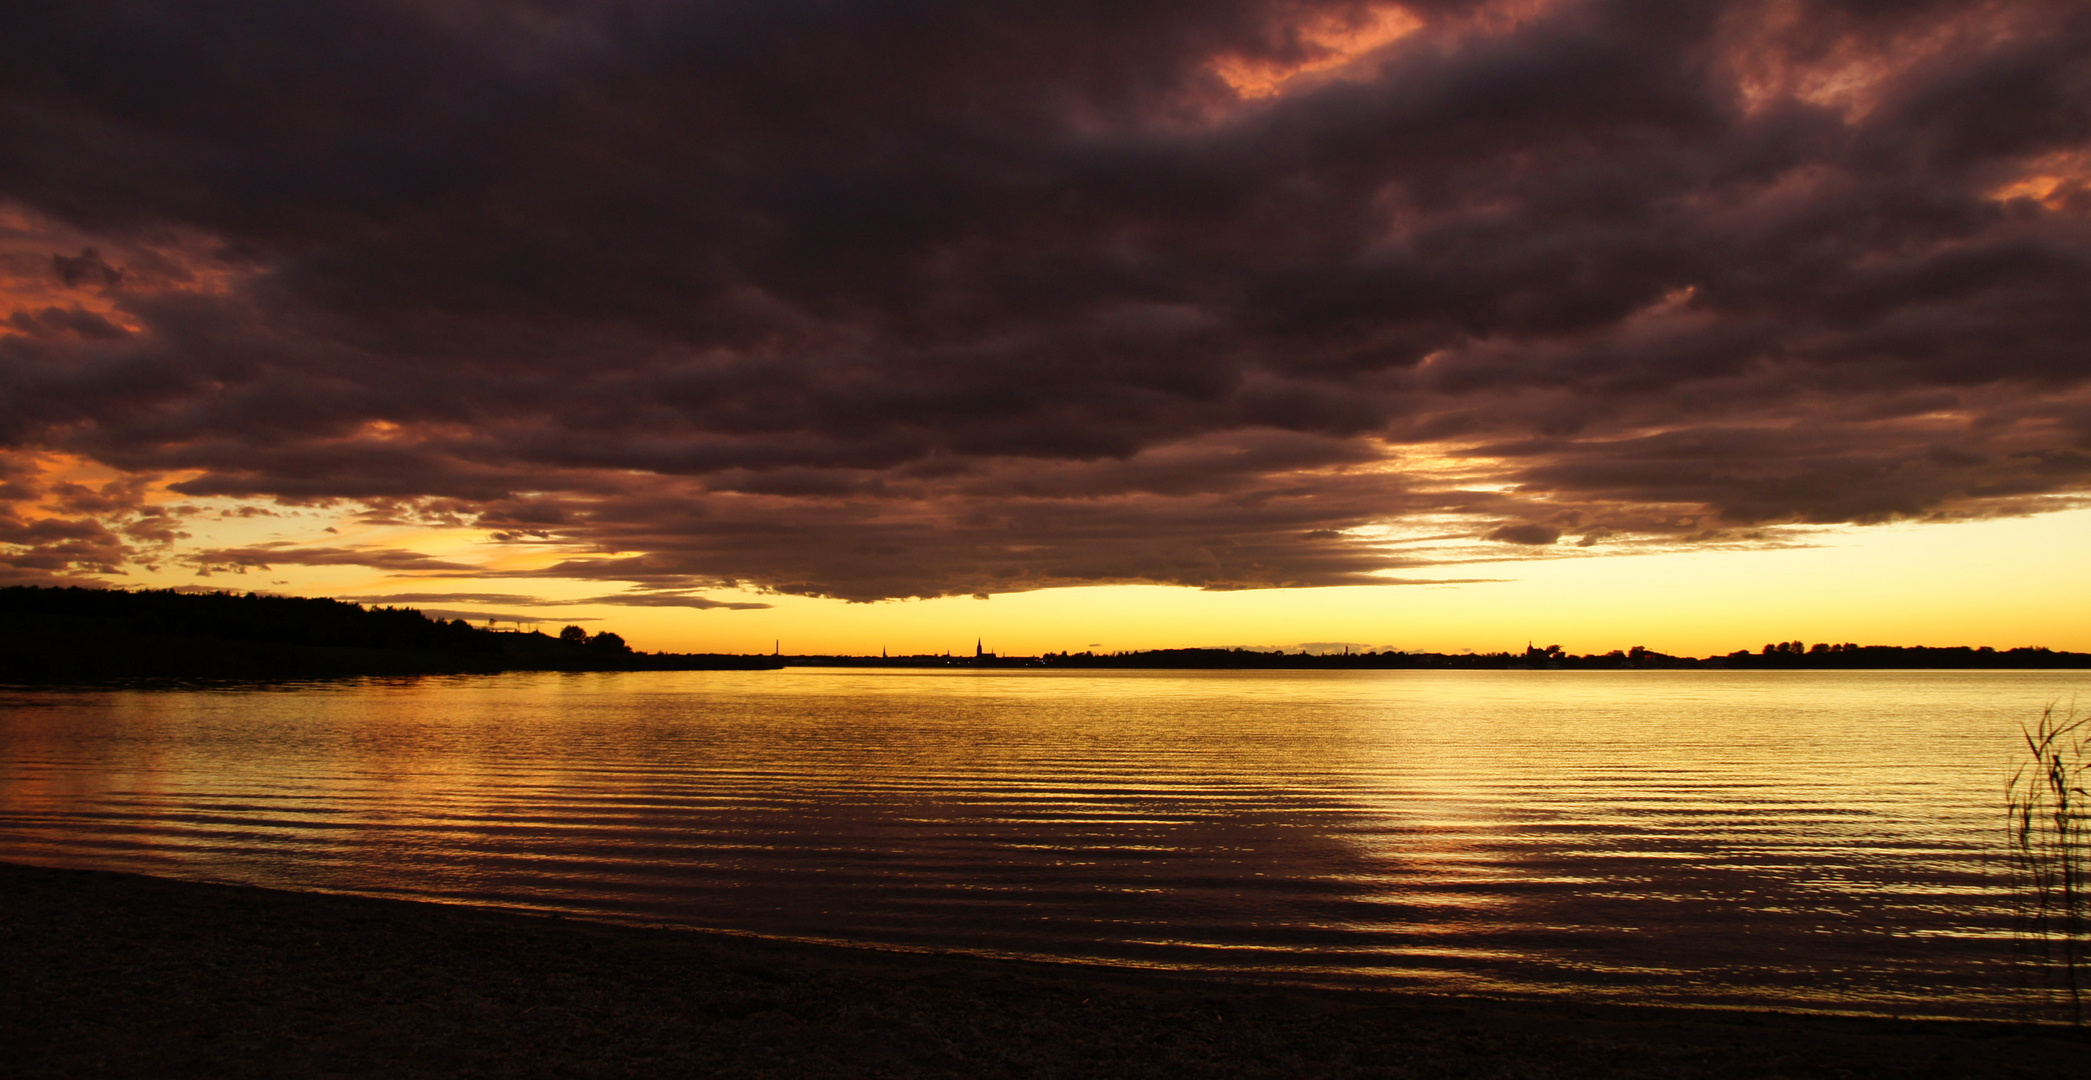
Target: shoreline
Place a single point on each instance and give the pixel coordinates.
(114, 974)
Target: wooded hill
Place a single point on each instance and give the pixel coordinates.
(78, 634)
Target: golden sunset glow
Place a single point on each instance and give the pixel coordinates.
(2005, 582)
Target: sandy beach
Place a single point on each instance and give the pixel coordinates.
(105, 974)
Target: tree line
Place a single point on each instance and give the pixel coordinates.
(69, 634)
(1780, 655)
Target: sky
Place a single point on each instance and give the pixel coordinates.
(835, 326)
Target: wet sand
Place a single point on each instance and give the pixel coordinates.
(106, 974)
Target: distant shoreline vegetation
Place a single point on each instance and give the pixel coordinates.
(83, 635)
(1789, 655)
(57, 635)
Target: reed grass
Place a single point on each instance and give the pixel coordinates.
(2050, 858)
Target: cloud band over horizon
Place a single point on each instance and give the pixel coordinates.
(932, 298)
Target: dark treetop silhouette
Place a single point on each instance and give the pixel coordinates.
(1786, 655)
(49, 634)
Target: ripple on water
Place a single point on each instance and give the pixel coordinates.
(1794, 839)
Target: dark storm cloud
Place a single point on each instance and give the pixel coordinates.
(926, 297)
(397, 599)
(265, 556)
(670, 598)
(1530, 534)
(496, 616)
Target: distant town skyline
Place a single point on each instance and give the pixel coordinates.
(1434, 325)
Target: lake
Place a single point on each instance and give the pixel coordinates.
(1817, 840)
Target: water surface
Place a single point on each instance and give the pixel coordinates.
(1822, 840)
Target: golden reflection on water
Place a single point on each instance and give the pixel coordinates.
(1812, 839)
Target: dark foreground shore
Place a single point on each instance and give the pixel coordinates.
(117, 975)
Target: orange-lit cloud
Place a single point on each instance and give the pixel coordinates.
(1326, 40)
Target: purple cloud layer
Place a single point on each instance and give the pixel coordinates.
(920, 297)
